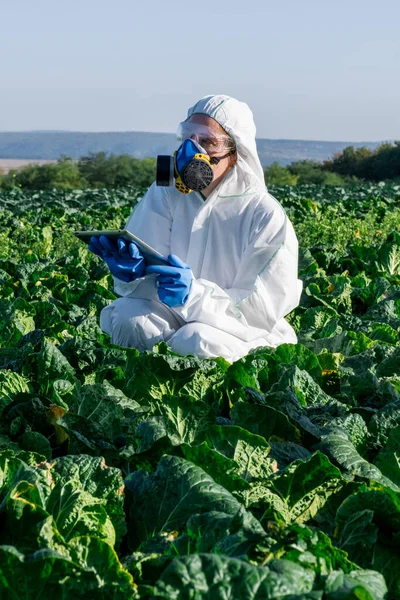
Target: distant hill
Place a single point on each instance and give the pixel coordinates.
(50, 145)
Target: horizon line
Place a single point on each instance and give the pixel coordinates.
(75, 131)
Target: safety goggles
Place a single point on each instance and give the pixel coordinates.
(213, 143)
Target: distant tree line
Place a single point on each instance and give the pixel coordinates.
(98, 170)
(350, 166)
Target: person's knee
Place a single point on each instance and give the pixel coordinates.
(114, 312)
(194, 338)
(187, 340)
(205, 341)
(119, 320)
(135, 323)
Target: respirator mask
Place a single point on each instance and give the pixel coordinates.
(191, 166)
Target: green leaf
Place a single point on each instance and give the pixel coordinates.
(300, 356)
(209, 576)
(16, 320)
(382, 332)
(388, 459)
(82, 495)
(90, 570)
(154, 375)
(337, 445)
(288, 403)
(308, 547)
(307, 391)
(35, 442)
(96, 414)
(296, 494)
(390, 365)
(386, 311)
(33, 459)
(354, 426)
(223, 470)
(383, 422)
(249, 451)
(384, 502)
(100, 562)
(149, 433)
(24, 491)
(386, 560)
(333, 291)
(359, 534)
(264, 421)
(249, 371)
(11, 384)
(52, 364)
(368, 525)
(314, 318)
(101, 481)
(389, 258)
(163, 501)
(357, 585)
(184, 417)
(347, 343)
(232, 535)
(286, 452)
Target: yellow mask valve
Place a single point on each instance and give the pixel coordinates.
(180, 186)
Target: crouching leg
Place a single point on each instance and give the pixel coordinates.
(138, 323)
(205, 341)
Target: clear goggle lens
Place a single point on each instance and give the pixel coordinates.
(213, 143)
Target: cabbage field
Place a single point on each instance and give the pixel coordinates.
(156, 476)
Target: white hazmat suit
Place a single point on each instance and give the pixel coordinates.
(240, 246)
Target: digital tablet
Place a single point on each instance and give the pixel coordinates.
(151, 256)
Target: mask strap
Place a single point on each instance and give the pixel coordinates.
(216, 159)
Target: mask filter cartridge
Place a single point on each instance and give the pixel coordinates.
(165, 170)
(198, 173)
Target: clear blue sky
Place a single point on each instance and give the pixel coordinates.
(310, 69)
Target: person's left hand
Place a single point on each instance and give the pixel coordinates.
(174, 281)
(123, 258)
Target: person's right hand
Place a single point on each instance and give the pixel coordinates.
(123, 258)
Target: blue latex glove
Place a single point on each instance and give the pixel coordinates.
(123, 258)
(174, 281)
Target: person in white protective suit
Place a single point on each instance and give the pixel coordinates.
(234, 254)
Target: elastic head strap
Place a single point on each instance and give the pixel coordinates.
(214, 160)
